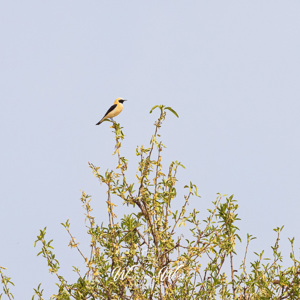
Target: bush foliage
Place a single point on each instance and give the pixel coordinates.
(142, 255)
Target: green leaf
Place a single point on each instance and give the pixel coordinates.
(152, 109)
(172, 110)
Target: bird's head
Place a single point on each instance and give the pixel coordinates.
(120, 100)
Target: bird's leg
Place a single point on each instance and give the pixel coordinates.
(112, 126)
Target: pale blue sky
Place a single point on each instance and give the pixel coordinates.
(231, 69)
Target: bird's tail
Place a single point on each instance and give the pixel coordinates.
(100, 121)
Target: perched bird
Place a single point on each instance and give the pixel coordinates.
(114, 110)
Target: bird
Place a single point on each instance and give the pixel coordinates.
(114, 110)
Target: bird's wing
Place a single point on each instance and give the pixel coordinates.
(110, 109)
